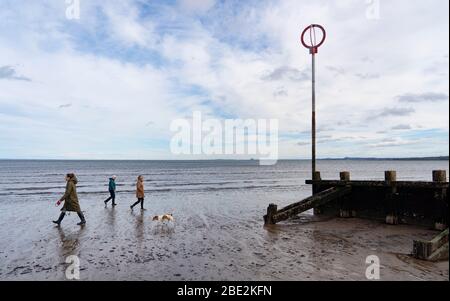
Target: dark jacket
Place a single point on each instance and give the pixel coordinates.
(70, 196)
(112, 184)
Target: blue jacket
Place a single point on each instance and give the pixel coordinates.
(112, 185)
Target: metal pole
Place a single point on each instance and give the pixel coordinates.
(313, 49)
(313, 130)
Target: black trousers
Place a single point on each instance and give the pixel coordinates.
(140, 200)
(112, 197)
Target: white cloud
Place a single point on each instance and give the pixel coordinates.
(126, 26)
(229, 57)
(198, 6)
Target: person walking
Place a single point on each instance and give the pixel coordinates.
(112, 191)
(139, 193)
(70, 199)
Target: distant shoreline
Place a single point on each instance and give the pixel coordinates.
(440, 158)
(437, 158)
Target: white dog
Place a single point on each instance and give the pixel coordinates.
(163, 218)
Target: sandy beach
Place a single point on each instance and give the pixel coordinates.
(118, 244)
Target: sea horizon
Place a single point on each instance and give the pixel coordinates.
(430, 158)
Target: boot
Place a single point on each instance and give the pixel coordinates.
(132, 206)
(83, 221)
(61, 217)
(107, 200)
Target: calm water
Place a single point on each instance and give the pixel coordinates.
(44, 180)
(218, 208)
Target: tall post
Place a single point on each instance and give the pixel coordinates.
(313, 134)
(313, 47)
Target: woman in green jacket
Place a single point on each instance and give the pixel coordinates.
(112, 191)
(70, 199)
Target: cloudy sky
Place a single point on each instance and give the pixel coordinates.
(107, 85)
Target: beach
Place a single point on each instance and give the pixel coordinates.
(218, 233)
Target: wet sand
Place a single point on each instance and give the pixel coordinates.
(212, 239)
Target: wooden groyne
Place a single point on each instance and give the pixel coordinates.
(433, 250)
(274, 216)
(391, 201)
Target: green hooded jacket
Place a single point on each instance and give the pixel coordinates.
(112, 184)
(70, 197)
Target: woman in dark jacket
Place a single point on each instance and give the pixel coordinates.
(70, 199)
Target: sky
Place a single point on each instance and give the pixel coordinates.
(107, 85)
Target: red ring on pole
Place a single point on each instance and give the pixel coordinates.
(313, 49)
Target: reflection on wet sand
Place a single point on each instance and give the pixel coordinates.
(70, 243)
(111, 218)
(163, 228)
(139, 227)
